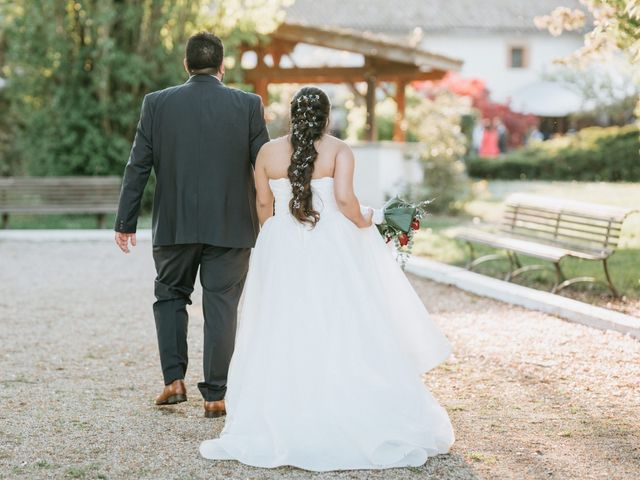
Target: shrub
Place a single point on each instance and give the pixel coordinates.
(592, 154)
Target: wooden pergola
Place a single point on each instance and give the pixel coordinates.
(384, 61)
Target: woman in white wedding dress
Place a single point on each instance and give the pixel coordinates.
(332, 339)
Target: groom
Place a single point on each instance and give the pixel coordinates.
(201, 138)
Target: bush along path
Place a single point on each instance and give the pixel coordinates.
(592, 154)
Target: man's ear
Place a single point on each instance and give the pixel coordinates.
(186, 65)
(221, 68)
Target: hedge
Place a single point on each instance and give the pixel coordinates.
(592, 154)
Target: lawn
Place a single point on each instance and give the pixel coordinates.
(66, 221)
(435, 239)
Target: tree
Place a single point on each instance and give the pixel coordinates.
(436, 120)
(616, 27)
(616, 30)
(517, 124)
(77, 71)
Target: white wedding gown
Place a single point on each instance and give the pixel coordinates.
(331, 343)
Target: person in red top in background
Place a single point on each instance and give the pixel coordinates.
(490, 141)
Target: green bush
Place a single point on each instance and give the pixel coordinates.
(592, 154)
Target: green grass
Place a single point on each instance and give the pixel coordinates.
(436, 239)
(19, 221)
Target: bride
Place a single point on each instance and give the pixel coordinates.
(332, 339)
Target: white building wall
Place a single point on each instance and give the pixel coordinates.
(486, 56)
(384, 170)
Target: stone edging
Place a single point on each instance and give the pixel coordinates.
(566, 308)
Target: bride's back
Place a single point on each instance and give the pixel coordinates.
(278, 152)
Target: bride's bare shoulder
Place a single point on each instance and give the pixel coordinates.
(331, 140)
(334, 144)
(276, 145)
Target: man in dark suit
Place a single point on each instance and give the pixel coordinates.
(201, 138)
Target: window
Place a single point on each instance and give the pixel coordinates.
(517, 57)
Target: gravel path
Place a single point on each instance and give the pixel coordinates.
(530, 396)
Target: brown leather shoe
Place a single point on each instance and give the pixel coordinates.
(173, 393)
(214, 409)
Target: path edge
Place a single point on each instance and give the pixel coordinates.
(557, 305)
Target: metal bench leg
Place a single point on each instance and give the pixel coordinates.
(560, 286)
(472, 255)
(516, 259)
(606, 273)
(559, 277)
(474, 262)
(512, 263)
(528, 268)
(5, 220)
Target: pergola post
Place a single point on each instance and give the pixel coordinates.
(399, 131)
(371, 133)
(261, 84)
(262, 88)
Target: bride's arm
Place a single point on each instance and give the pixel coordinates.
(264, 195)
(343, 188)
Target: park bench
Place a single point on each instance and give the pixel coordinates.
(551, 229)
(48, 195)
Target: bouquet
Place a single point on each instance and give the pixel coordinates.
(398, 221)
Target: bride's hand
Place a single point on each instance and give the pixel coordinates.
(367, 218)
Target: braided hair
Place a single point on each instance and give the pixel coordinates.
(310, 109)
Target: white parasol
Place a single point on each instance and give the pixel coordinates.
(546, 99)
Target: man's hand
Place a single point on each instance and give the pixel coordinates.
(122, 240)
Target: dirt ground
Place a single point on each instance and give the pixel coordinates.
(530, 396)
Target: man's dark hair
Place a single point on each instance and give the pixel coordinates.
(204, 50)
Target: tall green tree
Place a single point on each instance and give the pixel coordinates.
(77, 70)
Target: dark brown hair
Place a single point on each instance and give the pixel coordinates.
(204, 50)
(310, 109)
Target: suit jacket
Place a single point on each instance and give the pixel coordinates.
(201, 138)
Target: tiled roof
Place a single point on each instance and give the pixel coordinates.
(402, 16)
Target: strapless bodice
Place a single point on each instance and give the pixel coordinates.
(324, 199)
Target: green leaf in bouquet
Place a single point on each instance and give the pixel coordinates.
(400, 217)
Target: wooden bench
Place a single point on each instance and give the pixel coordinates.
(48, 195)
(551, 229)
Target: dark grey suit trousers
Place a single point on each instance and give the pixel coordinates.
(222, 275)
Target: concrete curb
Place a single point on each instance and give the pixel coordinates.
(566, 308)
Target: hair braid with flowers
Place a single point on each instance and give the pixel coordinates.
(310, 109)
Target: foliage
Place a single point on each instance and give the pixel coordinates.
(241, 22)
(401, 219)
(616, 29)
(592, 154)
(77, 72)
(517, 124)
(437, 123)
(385, 119)
(609, 89)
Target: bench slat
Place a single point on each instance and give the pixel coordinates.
(530, 247)
(594, 224)
(66, 181)
(561, 231)
(546, 226)
(94, 195)
(579, 209)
